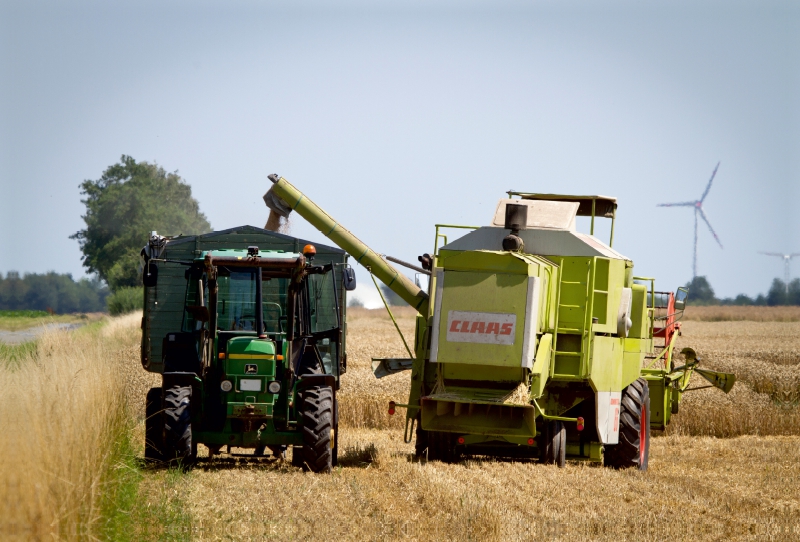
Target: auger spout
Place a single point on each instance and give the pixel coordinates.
(291, 199)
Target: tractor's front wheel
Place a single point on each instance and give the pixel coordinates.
(317, 413)
(633, 449)
(553, 444)
(178, 424)
(153, 427)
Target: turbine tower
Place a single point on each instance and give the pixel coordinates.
(698, 211)
(787, 258)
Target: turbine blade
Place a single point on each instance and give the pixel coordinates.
(682, 204)
(794, 255)
(708, 187)
(705, 219)
(772, 254)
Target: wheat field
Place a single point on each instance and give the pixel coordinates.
(699, 487)
(728, 468)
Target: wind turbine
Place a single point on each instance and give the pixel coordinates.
(786, 259)
(698, 210)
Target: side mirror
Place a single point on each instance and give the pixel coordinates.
(680, 298)
(349, 279)
(150, 275)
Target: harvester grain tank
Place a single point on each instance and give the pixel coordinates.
(246, 329)
(534, 339)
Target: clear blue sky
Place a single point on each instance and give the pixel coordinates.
(395, 116)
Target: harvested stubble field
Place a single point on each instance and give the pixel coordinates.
(727, 469)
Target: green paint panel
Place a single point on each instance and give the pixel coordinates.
(248, 345)
(606, 368)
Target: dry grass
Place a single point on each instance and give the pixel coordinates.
(364, 400)
(749, 313)
(64, 419)
(765, 356)
(697, 488)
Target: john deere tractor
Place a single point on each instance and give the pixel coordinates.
(533, 339)
(250, 344)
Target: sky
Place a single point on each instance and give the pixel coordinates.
(395, 116)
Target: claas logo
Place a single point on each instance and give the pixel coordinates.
(480, 326)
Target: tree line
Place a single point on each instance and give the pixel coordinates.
(779, 293)
(52, 292)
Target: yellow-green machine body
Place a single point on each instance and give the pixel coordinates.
(532, 339)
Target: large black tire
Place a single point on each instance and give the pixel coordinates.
(553, 444)
(442, 447)
(153, 427)
(317, 416)
(178, 424)
(633, 449)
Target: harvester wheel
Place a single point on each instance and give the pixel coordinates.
(553, 444)
(178, 424)
(153, 427)
(634, 429)
(442, 447)
(317, 415)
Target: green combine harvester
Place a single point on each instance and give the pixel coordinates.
(532, 339)
(247, 331)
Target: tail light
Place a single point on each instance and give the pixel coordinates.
(391, 408)
(580, 424)
(531, 442)
(461, 440)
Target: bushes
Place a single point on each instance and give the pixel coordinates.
(125, 300)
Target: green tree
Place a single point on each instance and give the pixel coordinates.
(53, 291)
(794, 292)
(123, 206)
(777, 293)
(701, 292)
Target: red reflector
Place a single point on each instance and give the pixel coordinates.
(580, 424)
(461, 440)
(392, 405)
(531, 442)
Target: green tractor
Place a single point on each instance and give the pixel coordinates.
(250, 344)
(533, 339)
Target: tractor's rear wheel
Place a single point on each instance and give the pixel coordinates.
(178, 424)
(442, 447)
(553, 444)
(153, 427)
(633, 449)
(317, 416)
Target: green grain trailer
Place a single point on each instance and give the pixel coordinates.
(532, 339)
(234, 375)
